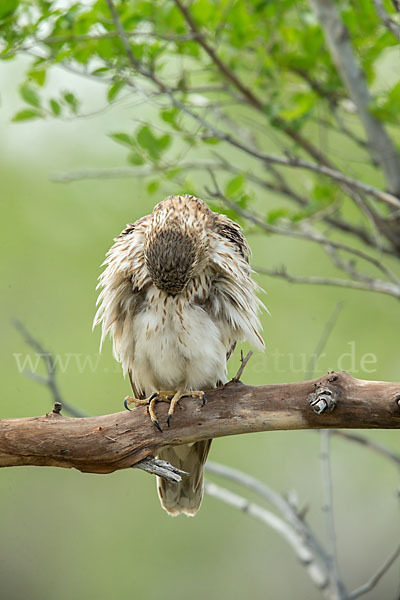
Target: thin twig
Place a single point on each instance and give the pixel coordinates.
(150, 464)
(243, 363)
(371, 444)
(280, 188)
(287, 510)
(304, 233)
(367, 587)
(314, 566)
(49, 381)
(374, 285)
(90, 37)
(328, 508)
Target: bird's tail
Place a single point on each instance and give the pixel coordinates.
(184, 497)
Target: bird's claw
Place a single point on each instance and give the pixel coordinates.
(163, 396)
(156, 424)
(127, 401)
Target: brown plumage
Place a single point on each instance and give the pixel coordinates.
(177, 295)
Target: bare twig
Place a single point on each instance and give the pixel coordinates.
(308, 558)
(373, 285)
(329, 511)
(112, 173)
(89, 37)
(368, 443)
(367, 587)
(289, 513)
(50, 380)
(243, 363)
(150, 464)
(281, 187)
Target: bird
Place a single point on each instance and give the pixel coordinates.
(177, 294)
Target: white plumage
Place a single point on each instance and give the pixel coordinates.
(177, 295)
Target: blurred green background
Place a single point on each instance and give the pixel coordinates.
(64, 534)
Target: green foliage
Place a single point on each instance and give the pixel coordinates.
(276, 50)
(26, 115)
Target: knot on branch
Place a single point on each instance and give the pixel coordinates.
(323, 399)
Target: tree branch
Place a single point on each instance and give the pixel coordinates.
(50, 364)
(108, 443)
(386, 18)
(325, 168)
(367, 587)
(372, 285)
(306, 555)
(246, 92)
(338, 40)
(368, 443)
(281, 187)
(303, 233)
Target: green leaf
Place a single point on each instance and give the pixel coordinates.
(38, 76)
(234, 185)
(136, 159)
(164, 142)
(26, 115)
(55, 107)
(30, 96)
(170, 115)
(301, 105)
(148, 141)
(276, 214)
(8, 7)
(153, 186)
(124, 139)
(101, 71)
(211, 140)
(114, 90)
(72, 101)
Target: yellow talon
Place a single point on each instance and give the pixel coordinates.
(170, 396)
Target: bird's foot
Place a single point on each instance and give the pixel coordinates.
(184, 394)
(172, 397)
(162, 396)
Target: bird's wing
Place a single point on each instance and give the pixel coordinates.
(124, 282)
(231, 232)
(233, 300)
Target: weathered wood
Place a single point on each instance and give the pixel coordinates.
(117, 441)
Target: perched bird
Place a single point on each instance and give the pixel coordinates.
(177, 295)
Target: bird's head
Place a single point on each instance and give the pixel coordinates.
(176, 242)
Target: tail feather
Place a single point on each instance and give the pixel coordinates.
(184, 497)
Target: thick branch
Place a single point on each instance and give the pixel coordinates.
(108, 443)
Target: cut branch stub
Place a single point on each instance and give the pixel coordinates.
(323, 399)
